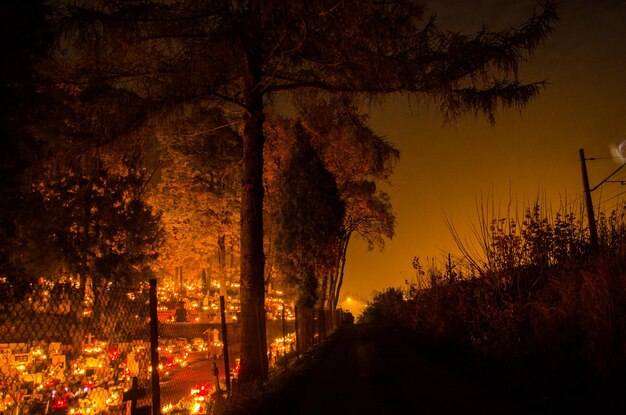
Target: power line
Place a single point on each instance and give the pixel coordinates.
(606, 191)
(574, 206)
(603, 158)
(608, 177)
(611, 198)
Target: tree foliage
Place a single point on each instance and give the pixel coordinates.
(198, 185)
(100, 222)
(386, 307)
(238, 54)
(68, 199)
(309, 219)
(357, 158)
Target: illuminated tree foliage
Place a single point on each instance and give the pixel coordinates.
(369, 215)
(100, 225)
(238, 54)
(93, 184)
(81, 201)
(198, 189)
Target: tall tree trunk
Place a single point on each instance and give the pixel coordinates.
(221, 254)
(79, 300)
(254, 365)
(322, 306)
(332, 284)
(180, 275)
(305, 327)
(344, 252)
(205, 283)
(232, 269)
(85, 266)
(331, 293)
(100, 302)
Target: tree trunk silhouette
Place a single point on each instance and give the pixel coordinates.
(254, 365)
(305, 327)
(221, 254)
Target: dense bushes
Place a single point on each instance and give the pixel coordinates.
(538, 304)
(386, 307)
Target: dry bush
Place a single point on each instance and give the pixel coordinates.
(542, 303)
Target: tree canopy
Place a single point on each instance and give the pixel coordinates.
(239, 54)
(309, 219)
(357, 158)
(198, 185)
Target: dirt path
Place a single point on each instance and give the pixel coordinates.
(370, 370)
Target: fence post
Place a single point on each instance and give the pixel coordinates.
(225, 337)
(154, 349)
(295, 313)
(218, 389)
(284, 338)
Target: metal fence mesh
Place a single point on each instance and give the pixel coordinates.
(73, 347)
(67, 348)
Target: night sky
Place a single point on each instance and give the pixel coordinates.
(444, 168)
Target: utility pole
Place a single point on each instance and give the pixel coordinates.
(593, 231)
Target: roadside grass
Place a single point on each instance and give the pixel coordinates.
(540, 314)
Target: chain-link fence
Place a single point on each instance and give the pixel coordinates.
(193, 345)
(72, 348)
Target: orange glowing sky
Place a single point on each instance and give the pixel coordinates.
(445, 168)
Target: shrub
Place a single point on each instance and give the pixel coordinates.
(387, 307)
(541, 305)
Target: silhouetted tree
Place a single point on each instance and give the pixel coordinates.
(23, 26)
(308, 226)
(101, 223)
(369, 215)
(238, 54)
(358, 158)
